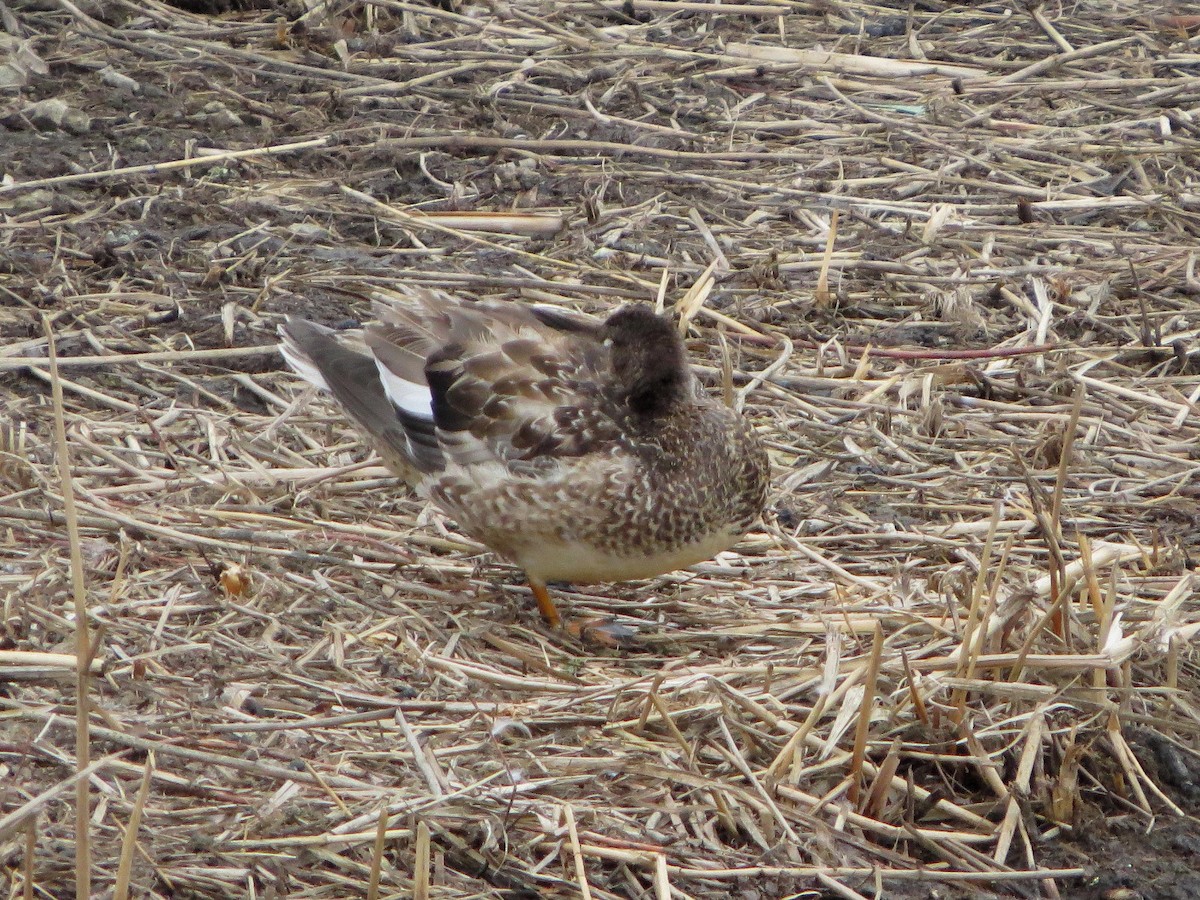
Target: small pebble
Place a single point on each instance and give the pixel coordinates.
(221, 116)
(119, 80)
(50, 114)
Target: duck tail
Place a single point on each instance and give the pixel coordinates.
(402, 434)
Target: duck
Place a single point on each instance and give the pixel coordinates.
(579, 449)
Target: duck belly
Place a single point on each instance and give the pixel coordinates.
(584, 563)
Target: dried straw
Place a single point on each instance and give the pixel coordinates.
(945, 260)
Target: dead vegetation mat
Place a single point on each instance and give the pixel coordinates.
(944, 254)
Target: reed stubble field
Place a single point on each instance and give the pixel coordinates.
(943, 254)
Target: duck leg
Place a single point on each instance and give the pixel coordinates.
(545, 604)
(605, 632)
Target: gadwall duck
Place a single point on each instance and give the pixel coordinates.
(580, 450)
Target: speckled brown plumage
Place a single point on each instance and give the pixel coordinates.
(580, 450)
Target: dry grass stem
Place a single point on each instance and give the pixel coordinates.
(83, 647)
(129, 842)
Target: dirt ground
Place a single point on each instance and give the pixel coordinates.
(1010, 223)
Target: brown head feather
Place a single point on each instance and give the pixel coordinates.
(648, 359)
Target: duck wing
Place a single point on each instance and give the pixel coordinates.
(489, 383)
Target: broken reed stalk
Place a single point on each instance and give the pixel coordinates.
(422, 864)
(83, 652)
(864, 715)
(726, 369)
(694, 298)
(585, 892)
(129, 840)
(1054, 538)
(207, 160)
(787, 758)
(36, 659)
(975, 619)
(914, 694)
(1171, 680)
(1096, 597)
(377, 855)
(1012, 821)
(821, 293)
(1064, 458)
(1058, 563)
(876, 800)
(31, 835)
(662, 878)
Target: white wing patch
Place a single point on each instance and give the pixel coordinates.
(410, 396)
